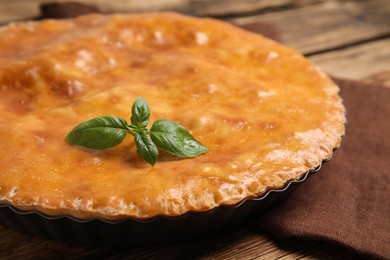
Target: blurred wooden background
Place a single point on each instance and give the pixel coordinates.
(22, 9)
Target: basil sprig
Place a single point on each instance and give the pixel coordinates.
(108, 131)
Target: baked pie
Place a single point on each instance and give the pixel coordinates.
(266, 113)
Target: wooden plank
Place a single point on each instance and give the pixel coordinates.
(368, 61)
(243, 243)
(16, 245)
(330, 25)
(14, 11)
(261, 246)
(25, 9)
(381, 78)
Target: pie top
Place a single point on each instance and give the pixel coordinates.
(266, 114)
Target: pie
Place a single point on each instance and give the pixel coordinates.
(267, 114)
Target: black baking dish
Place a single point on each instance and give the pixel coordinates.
(160, 229)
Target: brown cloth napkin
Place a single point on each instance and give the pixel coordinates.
(348, 200)
(65, 10)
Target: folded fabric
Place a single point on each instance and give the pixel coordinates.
(347, 201)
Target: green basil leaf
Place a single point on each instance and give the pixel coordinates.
(140, 113)
(175, 139)
(146, 148)
(99, 133)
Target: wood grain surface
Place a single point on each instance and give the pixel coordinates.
(369, 60)
(25, 9)
(330, 25)
(347, 39)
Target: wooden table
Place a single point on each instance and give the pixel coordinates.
(347, 39)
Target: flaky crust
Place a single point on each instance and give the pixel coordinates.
(267, 114)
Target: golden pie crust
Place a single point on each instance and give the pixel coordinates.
(267, 114)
